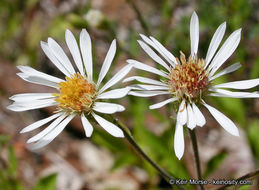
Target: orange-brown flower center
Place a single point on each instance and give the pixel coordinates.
(188, 80)
(77, 94)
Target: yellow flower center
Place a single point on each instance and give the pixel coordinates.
(188, 80)
(76, 95)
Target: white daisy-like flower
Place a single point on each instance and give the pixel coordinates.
(78, 94)
(189, 81)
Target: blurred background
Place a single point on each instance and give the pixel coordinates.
(74, 162)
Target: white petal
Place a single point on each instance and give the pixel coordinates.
(225, 51)
(116, 78)
(39, 144)
(108, 126)
(194, 33)
(33, 102)
(60, 55)
(147, 93)
(179, 141)
(163, 51)
(159, 47)
(28, 71)
(148, 41)
(227, 70)
(59, 128)
(107, 62)
(50, 136)
(182, 113)
(135, 87)
(87, 126)
(230, 94)
(153, 55)
(244, 84)
(38, 80)
(149, 87)
(161, 104)
(224, 121)
(30, 96)
(53, 58)
(73, 48)
(47, 129)
(114, 94)
(147, 68)
(215, 41)
(86, 51)
(200, 119)
(191, 122)
(108, 108)
(39, 123)
(144, 80)
(22, 107)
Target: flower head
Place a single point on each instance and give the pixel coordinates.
(189, 80)
(78, 94)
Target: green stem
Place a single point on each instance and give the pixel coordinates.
(137, 148)
(196, 155)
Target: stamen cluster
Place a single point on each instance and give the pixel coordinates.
(188, 80)
(77, 94)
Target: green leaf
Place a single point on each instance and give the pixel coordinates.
(47, 183)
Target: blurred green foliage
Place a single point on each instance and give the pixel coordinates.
(46, 183)
(21, 31)
(9, 179)
(8, 175)
(214, 162)
(253, 137)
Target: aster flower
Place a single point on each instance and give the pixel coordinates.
(189, 80)
(77, 95)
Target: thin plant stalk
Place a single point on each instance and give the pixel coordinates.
(137, 148)
(196, 154)
(139, 16)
